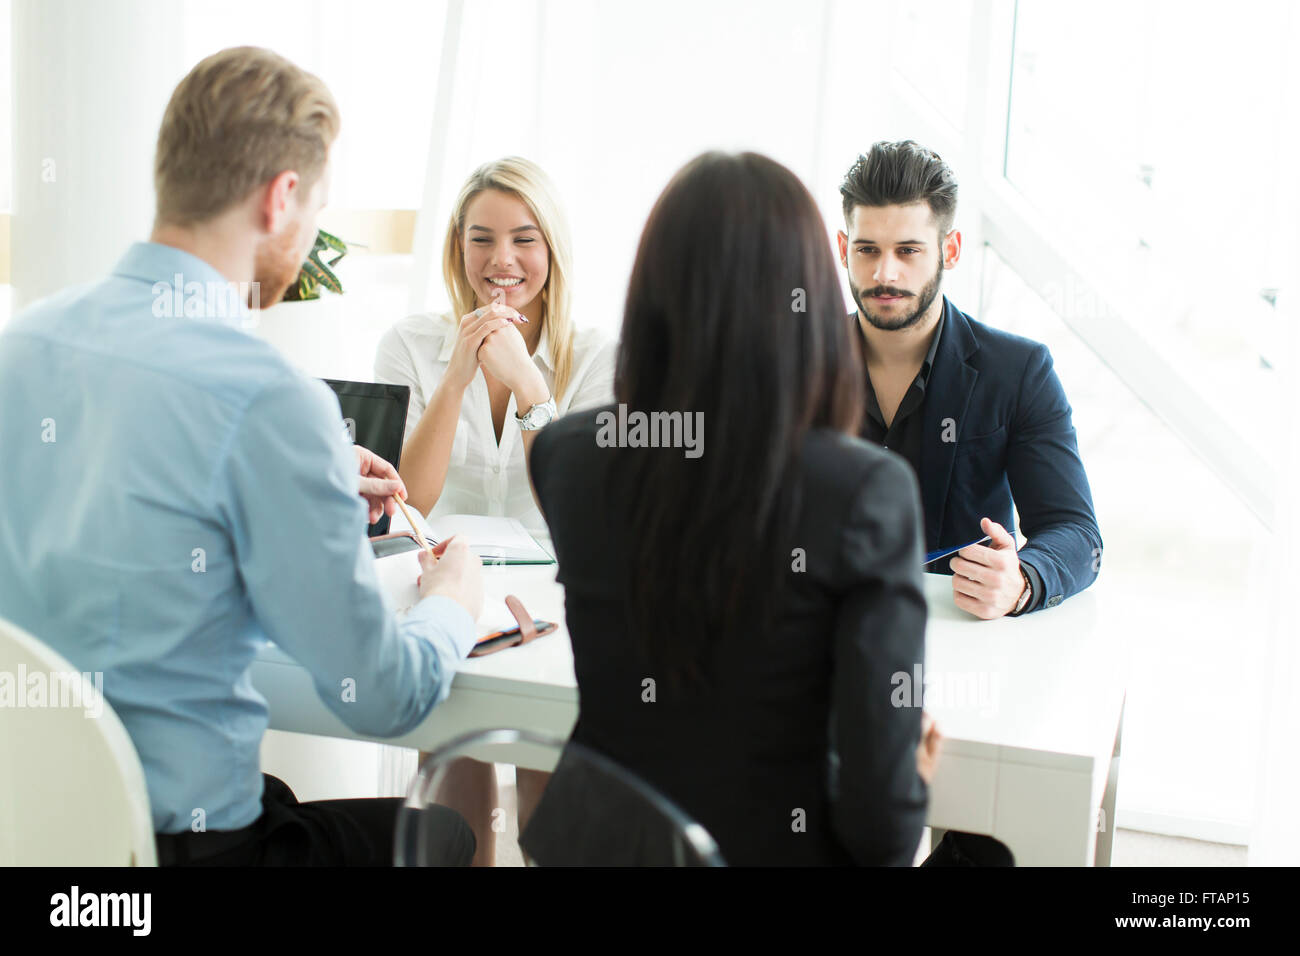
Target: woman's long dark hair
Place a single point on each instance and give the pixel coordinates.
(734, 310)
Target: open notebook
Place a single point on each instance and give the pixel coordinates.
(496, 540)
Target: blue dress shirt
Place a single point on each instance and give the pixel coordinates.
(174, 495)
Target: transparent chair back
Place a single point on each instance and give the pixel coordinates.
(593, 812)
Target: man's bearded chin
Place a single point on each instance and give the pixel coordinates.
(276, 265)
(923, 302)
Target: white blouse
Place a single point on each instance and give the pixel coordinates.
(482, 477)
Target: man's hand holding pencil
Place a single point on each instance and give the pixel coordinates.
(448, 568)
(380, 483)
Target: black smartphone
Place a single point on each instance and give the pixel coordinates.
(395, 543)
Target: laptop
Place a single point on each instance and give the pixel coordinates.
(375, 417)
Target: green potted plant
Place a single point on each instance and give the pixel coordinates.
(316, 273)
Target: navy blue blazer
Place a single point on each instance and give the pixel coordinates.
(997, 427)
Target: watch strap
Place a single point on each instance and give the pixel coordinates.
(1026, 596)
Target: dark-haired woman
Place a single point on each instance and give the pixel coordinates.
(741, 595)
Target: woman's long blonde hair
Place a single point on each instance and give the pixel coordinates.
(526, 181)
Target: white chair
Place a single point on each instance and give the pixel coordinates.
(72, 791)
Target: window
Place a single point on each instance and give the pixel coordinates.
(929, 43)
(1181, 577)
(1148, 132)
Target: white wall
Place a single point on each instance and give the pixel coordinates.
(90, 82)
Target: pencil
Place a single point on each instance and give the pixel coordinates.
(411, 521)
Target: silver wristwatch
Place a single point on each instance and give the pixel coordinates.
(543, 413)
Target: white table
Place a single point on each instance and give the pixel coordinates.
(1027, 761)
(1036, 763)
(531, 686)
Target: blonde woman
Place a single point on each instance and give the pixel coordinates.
(484, 379)
(505, 361)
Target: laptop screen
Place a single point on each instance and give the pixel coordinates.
(375, 417)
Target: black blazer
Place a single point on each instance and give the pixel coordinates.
(800, 729)
(997, 426)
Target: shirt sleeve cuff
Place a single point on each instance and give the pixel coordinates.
(444, 614)
(1035, 585)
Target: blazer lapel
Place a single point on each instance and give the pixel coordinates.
(947, 398)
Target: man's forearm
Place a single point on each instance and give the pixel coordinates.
(1061, 561)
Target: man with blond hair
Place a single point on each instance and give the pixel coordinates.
(176, 493)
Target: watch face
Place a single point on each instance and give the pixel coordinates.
(539, 415)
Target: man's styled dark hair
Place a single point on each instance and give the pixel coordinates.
(897, 174)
